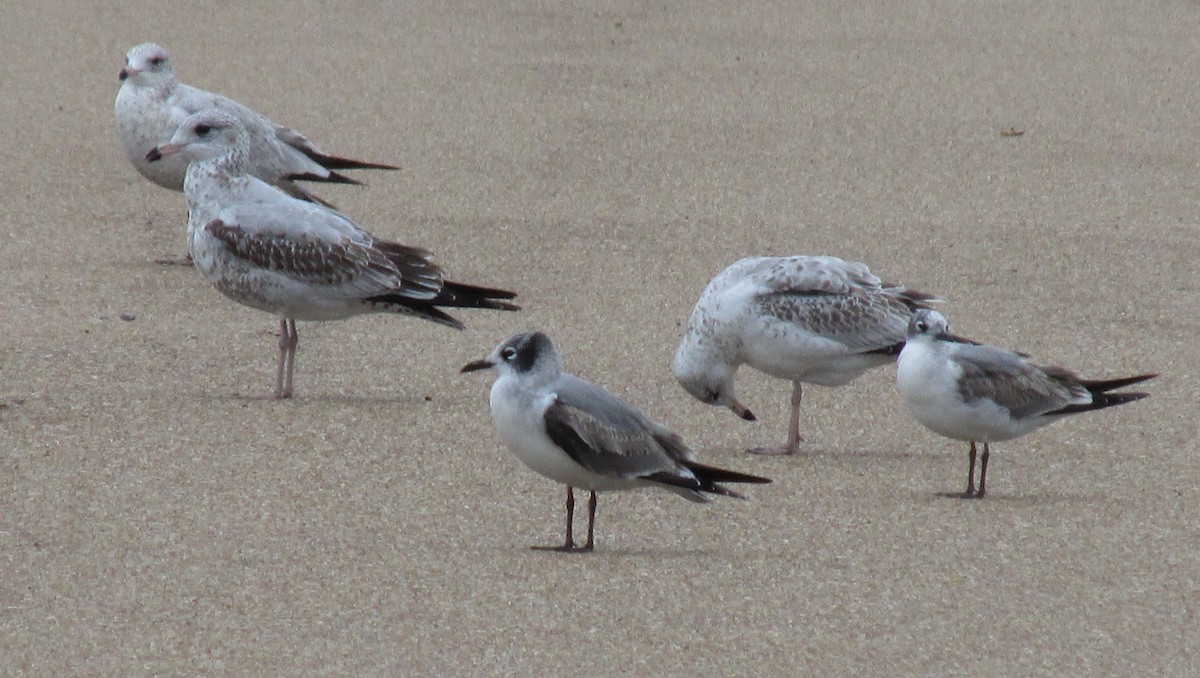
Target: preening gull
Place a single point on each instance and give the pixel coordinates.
(294, 259)
(808, 319)
(578, 434)
(983, 394)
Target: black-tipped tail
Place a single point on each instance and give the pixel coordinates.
(333, 178)
(452, 295)
(1106, 385)
(334, 162)
(461, 295)
(706, 480)
(1101, 401)
(1101, 396)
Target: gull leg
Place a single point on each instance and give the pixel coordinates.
(591, 523)
(987, 452)
(971, 473)
(971, 493)
(794, 437)
(293, 342)
(569, 545)
(288, 339)
(282, 365)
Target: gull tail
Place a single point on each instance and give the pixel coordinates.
(704, 479)
(1106, 385)
(333, 178)
(334, 162)
(1101, 396)
(452, 295)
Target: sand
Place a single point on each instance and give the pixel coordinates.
(160, 516)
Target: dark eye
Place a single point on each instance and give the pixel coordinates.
(157, 61)
(508, 354)
(712, 395)
(201, 130)
(921, 325)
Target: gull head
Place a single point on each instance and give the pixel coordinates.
(147, 64)
(204, 135)
(708, 377)
(927, 323)
(527, 356)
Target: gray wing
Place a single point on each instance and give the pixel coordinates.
(1024, 389)
(275, 153)
(606, 436)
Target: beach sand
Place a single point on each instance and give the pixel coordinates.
(160, 516)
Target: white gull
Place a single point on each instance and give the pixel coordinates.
(152, 104)
(807, 319)
(295, 259)
(968, 391)
(578, 434)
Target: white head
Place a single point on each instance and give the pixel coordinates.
(928, 323)
(703, 370)
(206, 135)
(528, 356)
(148, 65)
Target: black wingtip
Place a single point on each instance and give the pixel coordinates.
(1101, 401)
(334, 162)
(333, 178)
(1105, 385)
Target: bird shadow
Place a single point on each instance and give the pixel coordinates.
(1030, 499)
(318, 399)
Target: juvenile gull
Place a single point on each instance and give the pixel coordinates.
(968, 391)
(295, 259)
(808, 319)
(576, 433)
(152, 104)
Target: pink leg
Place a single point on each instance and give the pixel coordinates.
(794, 438)
(288, 339)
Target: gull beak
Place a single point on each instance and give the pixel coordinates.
(742, 411)
(476, 366)
(127, 72)
(162, 151)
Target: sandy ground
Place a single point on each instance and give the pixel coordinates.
(159, 516)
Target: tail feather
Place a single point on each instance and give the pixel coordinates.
(461, 295)
(333, 178)
(721, 475)
(703, 479)
(1106, 385)
(334, 162)
(452, 295)
(1100, 401)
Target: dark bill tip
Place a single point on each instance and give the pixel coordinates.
(123, 74)
(748, 416)
(153, 155)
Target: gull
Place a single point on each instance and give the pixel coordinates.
(808, 319)
(578, 434)
(968, 391)
(294, 259)
(152, 104)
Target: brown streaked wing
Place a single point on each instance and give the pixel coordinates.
(309, 259)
